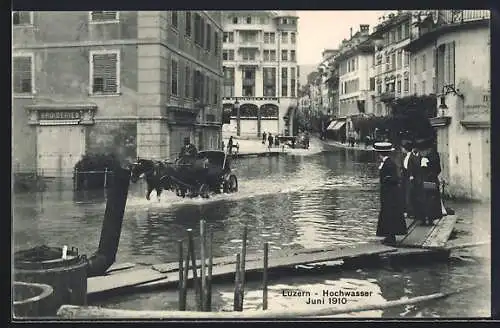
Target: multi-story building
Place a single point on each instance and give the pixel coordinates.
(260, 71)
(450, 57)
(391, 67)
(355, 86)
(128, 83)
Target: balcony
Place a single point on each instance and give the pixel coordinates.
(249, 63)
(388, 96)
(254, 44)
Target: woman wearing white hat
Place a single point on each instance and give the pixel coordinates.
(391, 221)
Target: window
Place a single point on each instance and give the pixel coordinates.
(292, 81)
(423, 88)
(393, 36)
(406, 84)
(228, 37)
(292, 38)
(387, 63)
(393, 61)
(423, 63)
(284, 21)
(174, 74)
(372, 84)
(406, 30)
(103, 16)
(249, 20)
(284, 82)
(216, 43)
(23, 75)
(215, 84)
(272, 55)
(269, 81)
(235, 20)
(399, 59)
(187, 82)
(400, 32)
(379, 88)
(175, 19)
(228, 89)
(266, 55)
(263, 20)
(248, 54)
(22, 18)
(272, 37)
(228, 54)
(399, 86)
(197, 29)
(188, 23)
(284, 37)
(292, 55)
(208, 44)
(284, 55)
(406, 58)
(105, 71)
(269, 37)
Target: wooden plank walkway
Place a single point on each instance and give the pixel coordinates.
(131, 278)
(420, 239)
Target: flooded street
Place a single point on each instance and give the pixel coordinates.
(293, 202)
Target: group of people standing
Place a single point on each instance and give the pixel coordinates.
(270, 140)
(412, 191)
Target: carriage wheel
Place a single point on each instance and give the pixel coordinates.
(232, 183)
(204, 190)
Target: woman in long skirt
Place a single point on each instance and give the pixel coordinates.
(391, 221)
(431, 167)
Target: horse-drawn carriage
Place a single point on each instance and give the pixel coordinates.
(210, 172)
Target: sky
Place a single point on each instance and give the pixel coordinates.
(325, 29)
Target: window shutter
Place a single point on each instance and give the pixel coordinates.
(22, 74)
(101, 16)
(104, 73)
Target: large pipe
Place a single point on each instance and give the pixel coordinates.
(112, 224)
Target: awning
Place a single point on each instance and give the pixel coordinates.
(338, 125)
(331, 125)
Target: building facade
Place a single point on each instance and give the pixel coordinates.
(355, 85)
(450, 58)
(391, 70)
(260, 71)
(129, 83)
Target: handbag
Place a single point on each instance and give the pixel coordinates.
(430, 185)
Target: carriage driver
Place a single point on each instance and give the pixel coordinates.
(188, 152)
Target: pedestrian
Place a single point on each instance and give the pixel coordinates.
(391, 220)
(276, 141)
(415, 183)
(270, 141)
(431, 168)
(407, 146)
(223, 145)
(264, 138)
(230, 145)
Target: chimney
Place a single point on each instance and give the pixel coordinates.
(364, 29)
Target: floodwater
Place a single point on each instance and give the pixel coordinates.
(292, 202)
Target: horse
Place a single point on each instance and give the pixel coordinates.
(155, 173)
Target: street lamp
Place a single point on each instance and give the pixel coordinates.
(236, 106)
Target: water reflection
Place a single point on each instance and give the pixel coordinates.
(291, 202)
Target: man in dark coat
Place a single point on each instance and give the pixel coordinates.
(405, 178)
(188, 152)
(264, 138)
(391, 221)
(270, 140)
(230, 145)
(415, 183)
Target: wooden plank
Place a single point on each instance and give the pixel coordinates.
(121, 280)
(418, 235)
(441, 233)
(173, 266)
(120, 266)
(151, 277)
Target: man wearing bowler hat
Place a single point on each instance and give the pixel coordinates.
(391, 220)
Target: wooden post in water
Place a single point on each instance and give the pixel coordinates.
(203, 266)
(181, 275)
(236, 304)
(105, 177)
(242, 270)
(264, 276)
(195, 271)
(209, 275)
(185, 276)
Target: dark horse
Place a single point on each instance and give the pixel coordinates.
(155, 173)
